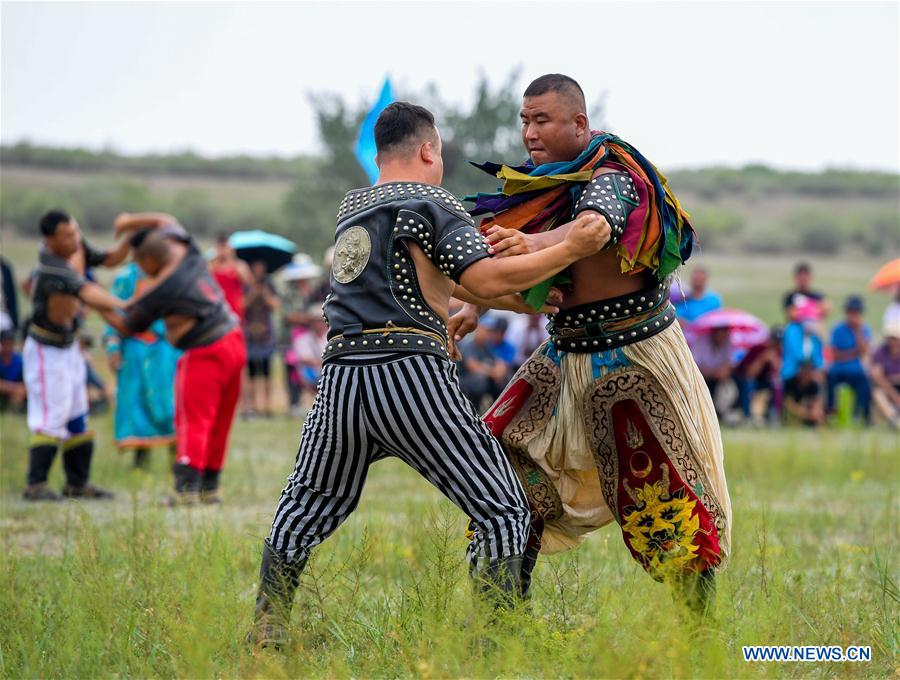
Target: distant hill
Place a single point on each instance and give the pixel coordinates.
(755, 208)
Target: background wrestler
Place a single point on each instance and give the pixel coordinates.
(387, 386)
(555, 128)
(198, 321)
(55, 369)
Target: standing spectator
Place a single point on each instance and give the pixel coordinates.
(322, 288)
(259, 330)
(483, 373)
(12, 379)
(892, 312)
(144, 366)
(9, 302)
(758, 371)
(697, 301)
(712, 352)
(503, 348)
(526, 332)
(886, 375)
(296, 321)
(308, 348)
(802, 365)
(231, 273)
(803, 296)
(98, 394)
(850, 341)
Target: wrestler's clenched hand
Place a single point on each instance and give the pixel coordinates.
(459, 326)
(504, 242)
(588, 233)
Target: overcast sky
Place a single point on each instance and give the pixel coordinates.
(796, 85)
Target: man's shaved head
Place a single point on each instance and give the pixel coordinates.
(566, 87)
(151, 249)
(555, 125)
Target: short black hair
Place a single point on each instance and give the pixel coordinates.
(138, 238)
(51, 220)
(803, 268)
(562, 84)
(401, 125)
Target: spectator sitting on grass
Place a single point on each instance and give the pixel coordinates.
(698, 300)
(886, 375)
(758, 371)
(802, 364)
(712, 352)
(503, 348)
(483, 372)
(850, 344)
(526, 332)
(12, 382)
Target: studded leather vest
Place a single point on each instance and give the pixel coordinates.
(373, 277)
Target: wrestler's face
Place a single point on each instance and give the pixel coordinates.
(66, 240)
(150, 265)
(553, 129)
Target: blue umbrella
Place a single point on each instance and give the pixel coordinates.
(276, 251)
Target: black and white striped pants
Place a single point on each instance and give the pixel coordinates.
(409, 406)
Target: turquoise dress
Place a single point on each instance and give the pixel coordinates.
(145, 385)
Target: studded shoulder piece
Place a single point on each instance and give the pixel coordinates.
(374, 278)
(430, 216)
(613, 195)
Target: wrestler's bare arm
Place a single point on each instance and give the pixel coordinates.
(510, 303)
(116, 321)
(495, 277)
(148, 220)
(119, 253)
(506, 242)
(97, 297)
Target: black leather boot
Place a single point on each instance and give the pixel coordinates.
(77, 455)
(209, 487)
(187, 486)
(532, 550)
(141, 458)
(40, 458)
(697, 590)
(278, 581)
(499, 582)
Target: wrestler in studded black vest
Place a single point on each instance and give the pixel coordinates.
(374, 284)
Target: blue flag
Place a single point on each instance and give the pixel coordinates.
(365, 144)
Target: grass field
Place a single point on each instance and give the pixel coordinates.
(129, 589)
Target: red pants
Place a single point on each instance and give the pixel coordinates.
(207, 388)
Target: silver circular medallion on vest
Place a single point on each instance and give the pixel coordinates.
(351, 254)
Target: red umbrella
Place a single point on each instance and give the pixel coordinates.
(745, 330)
(887, 277)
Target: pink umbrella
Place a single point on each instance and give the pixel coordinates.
(745, 330)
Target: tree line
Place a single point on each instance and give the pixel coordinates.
(297, 196)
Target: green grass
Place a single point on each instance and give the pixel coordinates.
(129, 589)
